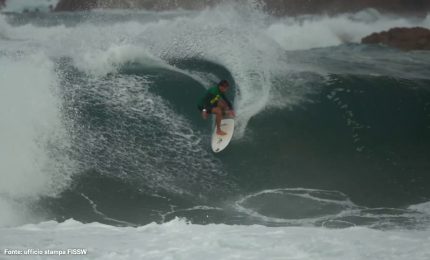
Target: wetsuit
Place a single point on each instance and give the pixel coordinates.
(210, 100)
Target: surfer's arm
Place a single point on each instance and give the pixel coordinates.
(205, 105)
(205, 102)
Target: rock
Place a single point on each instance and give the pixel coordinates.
(416, 38)
(293, 7)
(80, 5)
(277, 7)
(76, 5)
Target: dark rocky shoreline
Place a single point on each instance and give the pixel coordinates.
(416, 38)
(277, 7)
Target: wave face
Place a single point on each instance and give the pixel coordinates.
(99, 120)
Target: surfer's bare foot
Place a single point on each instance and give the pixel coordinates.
(220, 132)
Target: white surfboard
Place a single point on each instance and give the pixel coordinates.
(220, 142)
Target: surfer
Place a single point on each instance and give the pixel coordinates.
(215, 102)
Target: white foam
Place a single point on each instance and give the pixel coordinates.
(101, 62)
(422, 207)
(322, 31)
(321, 197)
(30, 121)
(178, 239)
(11, 213)
(25, 110)
(313, 207)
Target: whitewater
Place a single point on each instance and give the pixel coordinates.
(103, 149)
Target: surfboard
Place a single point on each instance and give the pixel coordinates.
(220, 142)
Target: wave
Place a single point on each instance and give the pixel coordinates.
(247, 42)
(114, 104)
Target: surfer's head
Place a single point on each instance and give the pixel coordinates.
(223, 85)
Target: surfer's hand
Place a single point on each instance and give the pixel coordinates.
(205, 115)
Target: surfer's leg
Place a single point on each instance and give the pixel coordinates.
(225, 109)
(223, 106)
(218, 116)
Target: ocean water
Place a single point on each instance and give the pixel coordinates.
(103, 148)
